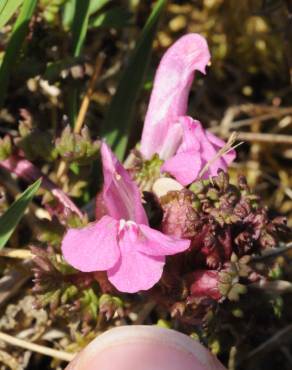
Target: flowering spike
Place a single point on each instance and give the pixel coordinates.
(171, 88)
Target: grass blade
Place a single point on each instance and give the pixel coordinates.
(2, 6)
(96, 5)
(121, 111)
(13, 49)
(7, 9)
(117, 17)
(69, 10)
(79, 25)
(12, 216)
(79, 29)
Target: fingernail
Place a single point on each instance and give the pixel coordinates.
(140, 347)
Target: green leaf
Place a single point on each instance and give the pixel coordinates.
(3, 5)
(79, 25)
(96, 5)
(68, 13)
(116, 17)
(14, 46)
(118, 122)
(7, 9)
(79, 29)
(69, 10)
(12, 216)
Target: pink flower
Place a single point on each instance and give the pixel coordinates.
(121, 242)
(169, 98)
(197, 148)
(167, 131)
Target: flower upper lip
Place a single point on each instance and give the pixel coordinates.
(171, 88)
(176, 138)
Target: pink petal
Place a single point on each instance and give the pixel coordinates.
(155, 243)
(193, 134)
(215, 140)
(171, 141)
(210, 147)
(187, 163)
(198, 147)
(185, 167)
(171, 88)
(121, 195)
(134, 271)
(218, 164)
(228, 157)
(94, 247)
(208, 150)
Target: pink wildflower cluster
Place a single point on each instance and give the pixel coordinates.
(120, 241)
